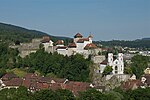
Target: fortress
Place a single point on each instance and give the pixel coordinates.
(79, 45)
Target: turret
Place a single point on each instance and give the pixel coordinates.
(90, 38)
(120, 57)
(110, 59)
(77, 37)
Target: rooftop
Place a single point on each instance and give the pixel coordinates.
(78, 35)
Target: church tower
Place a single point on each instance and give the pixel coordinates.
(90, 38)
(77, 37)
(110, 59)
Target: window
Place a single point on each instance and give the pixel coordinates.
(116, 69)
(116, 62)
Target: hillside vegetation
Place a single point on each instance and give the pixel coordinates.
(140, 43)
(13, 33)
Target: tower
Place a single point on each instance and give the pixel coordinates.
(120, 57)
(121, 63)
(110, 59)
(90, 38)
(77, 37)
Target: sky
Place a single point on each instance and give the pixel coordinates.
(104, 19)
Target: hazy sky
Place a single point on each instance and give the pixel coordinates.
(105, 19)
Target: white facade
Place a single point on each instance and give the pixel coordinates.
(48, 44)
(80, 44)
(117, 64)
(62, 51)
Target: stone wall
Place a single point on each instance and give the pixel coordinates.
(121, 77)
(98, 59)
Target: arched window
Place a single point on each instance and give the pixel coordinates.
(121, 67)
(121, 59)
(116, 62)
(116, 69)
(111, 59)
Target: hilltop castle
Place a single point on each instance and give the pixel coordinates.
(79, 45)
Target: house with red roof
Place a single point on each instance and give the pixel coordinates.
(34, 82)
(131, 84)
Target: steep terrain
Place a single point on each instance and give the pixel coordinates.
(14, 33)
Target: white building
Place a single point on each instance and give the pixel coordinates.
(47, 42)
(80, 45)
(115, 61)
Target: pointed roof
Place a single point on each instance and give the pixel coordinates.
(45, 39)
(59, 42)
(78, 35)
(130, 84)
(104, 62)
(90, 36)
(13, 82)
(90, 46)
(9, 76)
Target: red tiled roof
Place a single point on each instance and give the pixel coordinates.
(31, 76)
(59, 80)
(55, 86)
(72, 45)
(49, 79)
(26, 83)
(45, 39)
(59, 42)
(90, 36)
(45, 79)
(90, 46)
(82, 40)
(78, 35)
(104, 62)
(61, 47)
(30, 80)
(76, 87)
(130, 84)
(13, 82)
(9, 76)
(42, 85)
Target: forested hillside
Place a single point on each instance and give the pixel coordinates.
(15, 33)
(140, 43)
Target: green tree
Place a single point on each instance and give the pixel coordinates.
(140, 94)
(107, 70)
(139, 64)
(128, 70)
(45, 95)
(15, 94)
(2, 72)
(91, 94)
(64, 94)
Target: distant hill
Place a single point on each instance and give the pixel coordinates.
(139, 43)
(14, 33)
(145, 38)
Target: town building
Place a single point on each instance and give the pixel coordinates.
(34, 82)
